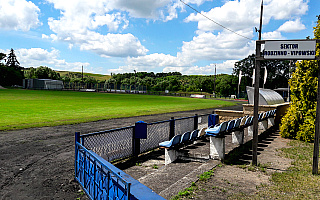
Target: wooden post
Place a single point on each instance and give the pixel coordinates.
(256, 95)
(256, 106)
(317, 124)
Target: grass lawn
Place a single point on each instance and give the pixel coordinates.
(36, 108)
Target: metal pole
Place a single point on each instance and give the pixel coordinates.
(215, 75)
(316, 135)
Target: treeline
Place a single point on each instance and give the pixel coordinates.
(48, 73)
(222, 84)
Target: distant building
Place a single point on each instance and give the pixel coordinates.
(266, 96)
(42, 84)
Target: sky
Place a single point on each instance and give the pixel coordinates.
(120, 36)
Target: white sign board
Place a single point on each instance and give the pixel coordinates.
(290, 50)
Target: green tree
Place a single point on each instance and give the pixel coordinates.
(277, 76)
(299, 121)
(10, 73)
(41, 73)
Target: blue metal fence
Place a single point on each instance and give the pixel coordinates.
(99, 178)
(103, 181)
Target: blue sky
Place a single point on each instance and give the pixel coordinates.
(118, 36)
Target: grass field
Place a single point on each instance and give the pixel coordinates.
(35, 108)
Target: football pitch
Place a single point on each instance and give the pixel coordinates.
(36, 108)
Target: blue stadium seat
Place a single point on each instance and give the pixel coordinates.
(217, 130)
(194, 135)
(185, 138)
(170, 144)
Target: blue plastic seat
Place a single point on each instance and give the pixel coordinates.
(219, 129)
(185, 137)
(249, 122)
(230, 126)
(171, 143)
(194, 135)
(260, 117)
(237, 124)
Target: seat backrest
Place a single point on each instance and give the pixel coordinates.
(176, 140)
(194, 134)
(237, 123)
(267, 114)
(250, 121)
(223, 126)
(185, 137)
(247, 121)
(260, 116)
(230, 125)
(202, 132)
(243, 121)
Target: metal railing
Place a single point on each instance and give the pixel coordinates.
(99, 178)
(96, 177)
(121, 142)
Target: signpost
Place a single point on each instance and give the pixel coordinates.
(290, 49)
(286, 50)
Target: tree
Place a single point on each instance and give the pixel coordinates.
(10, 73)
(41, 73)
(277, 76)
(299, 121)
(12, 60)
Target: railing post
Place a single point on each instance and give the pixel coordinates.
(77, 139)
(135, 143)
(196, 117)
(171, 134)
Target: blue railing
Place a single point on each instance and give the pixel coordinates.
(97, 179)
(101, 180)
(93, 152)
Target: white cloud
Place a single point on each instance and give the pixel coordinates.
(236, 15)
(274, 35)
(245, 14)
(285, 9)
(78, 23)
(19, 15)
(223, 46)
(141, 8)
(292, 26)
(36, 57)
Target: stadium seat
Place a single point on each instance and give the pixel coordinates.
(217, 130)
(194, 135)
(171, 143)
(185, 138)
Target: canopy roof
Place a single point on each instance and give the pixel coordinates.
(266, 96)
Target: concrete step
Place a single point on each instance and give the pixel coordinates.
(170, 179)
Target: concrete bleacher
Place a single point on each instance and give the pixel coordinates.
(168, 179)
